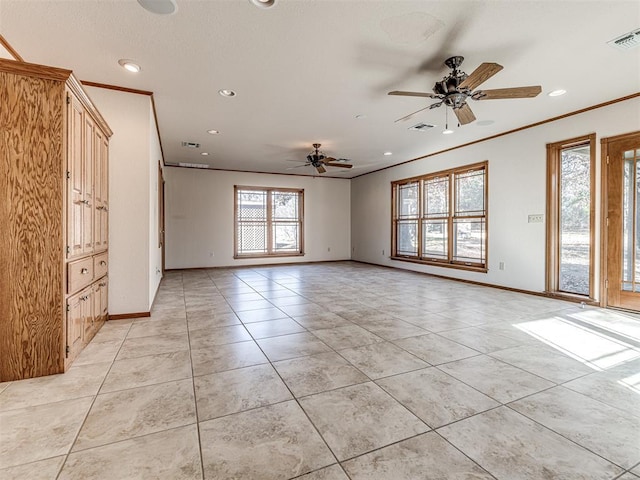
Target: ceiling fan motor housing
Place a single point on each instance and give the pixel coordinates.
(456, 100)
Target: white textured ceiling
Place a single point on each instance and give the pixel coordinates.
(304, 69)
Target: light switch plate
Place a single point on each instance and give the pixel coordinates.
(536, 218)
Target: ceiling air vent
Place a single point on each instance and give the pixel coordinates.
(627, 41)
(191, 144)
(422, 127)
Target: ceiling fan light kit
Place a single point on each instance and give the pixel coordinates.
(457, 87)
(319, 160)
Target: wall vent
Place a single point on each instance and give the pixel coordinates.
(422, 127)
(193, 165)
(191, 144)
(627, 41)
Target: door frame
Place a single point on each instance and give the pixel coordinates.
(604, 209)
(161, 224)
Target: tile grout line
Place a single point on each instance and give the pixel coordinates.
(588, 449)
(193, 382)
(295, 399)
(95, 397)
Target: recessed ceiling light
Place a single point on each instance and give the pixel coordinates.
(227, 93)
(557, 93)
(213, 132)
(448, 131)
(160, 7)
(204, 153)
(386, 154)
(263, 3)
(129, 65)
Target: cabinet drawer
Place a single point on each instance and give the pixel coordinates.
(79, 274)
(100, 265)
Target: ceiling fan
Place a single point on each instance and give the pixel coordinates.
(319, 160)
(457, 87)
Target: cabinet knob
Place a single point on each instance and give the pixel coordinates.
(84, 271)
(103, 263)
(86, 202)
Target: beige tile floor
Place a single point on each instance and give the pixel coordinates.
(337, 371)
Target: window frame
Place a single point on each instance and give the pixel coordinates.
(451, 217)
(552, 248)
(270, 253)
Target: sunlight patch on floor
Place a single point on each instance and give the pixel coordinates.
(619, 323)
(592, 348)
(632, 383)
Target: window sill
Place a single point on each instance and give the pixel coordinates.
(457, 266)
(269, 255)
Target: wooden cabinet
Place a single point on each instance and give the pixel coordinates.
(54, 220)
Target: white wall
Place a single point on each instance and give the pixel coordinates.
(199, 217)
(517, 188)
(133, 155)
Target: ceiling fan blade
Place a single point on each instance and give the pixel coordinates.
(480, 75)
(464, 114)
(407, 117)
(328, 160)
(320, 168)
(515, 92)
(414, 94)
(341, 165)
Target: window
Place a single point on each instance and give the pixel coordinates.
(268, 221)
(441, 218)
(570, 216)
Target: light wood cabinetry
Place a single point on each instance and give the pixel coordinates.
(54, 157)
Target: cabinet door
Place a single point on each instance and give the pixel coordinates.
(75, 325)
(75, 174)
(98, 192)
(87, 300)
(100, 301)
(104, 180)
(88, 183)
(104, 297)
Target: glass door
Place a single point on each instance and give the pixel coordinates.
(622, 283)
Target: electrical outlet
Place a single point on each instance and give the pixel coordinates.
(536, 218)
(211, 254)
(501, 265)
(383, 253)
(328, 249)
